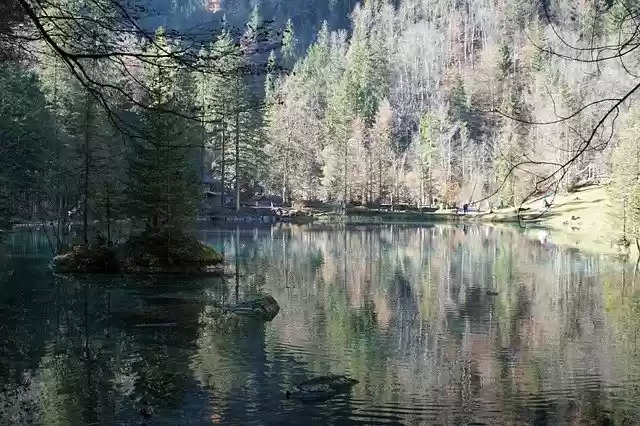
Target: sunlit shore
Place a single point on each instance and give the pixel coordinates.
(582, 219)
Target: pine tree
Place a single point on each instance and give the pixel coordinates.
(366, 69)
(254, 32)
(271, 77)
(340, 115)
(218, 98)
(255, 20)
(505, 61)
(358, 173)
(249, 138)
(289, 44)
(237, 117)
(278, 127)
(429, 130)
(82, 123)
(506, 156)
(25, 136)
(458, 109)
(162, 187)
(382, 151)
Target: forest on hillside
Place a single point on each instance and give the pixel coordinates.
(436, 99)
(417, 101)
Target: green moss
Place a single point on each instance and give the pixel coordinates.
(210, 255)
(90, 259)
(168, 250)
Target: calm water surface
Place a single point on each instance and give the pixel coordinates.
(404, 310)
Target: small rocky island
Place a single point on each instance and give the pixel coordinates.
(151, 252)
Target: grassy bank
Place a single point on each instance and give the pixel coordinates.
(583, 219)
(376, 217)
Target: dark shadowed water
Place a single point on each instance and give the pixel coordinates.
(403, 310)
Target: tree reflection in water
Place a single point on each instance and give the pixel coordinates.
(436, 323)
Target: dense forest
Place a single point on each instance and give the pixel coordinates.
(435, 99)
(418, 101)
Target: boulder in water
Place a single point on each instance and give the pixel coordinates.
(323, 387)
(263, 307)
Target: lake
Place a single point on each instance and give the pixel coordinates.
(439, 324)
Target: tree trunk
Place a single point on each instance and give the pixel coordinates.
(369, 179)
(379, 179)
(236, 241)
(85, 211)
(421, 185)
(430, 184)
(222, 155)
(108, 219)
(237, 161)
(346, 153)
(59, 200)
(203, 136)
(285, 176)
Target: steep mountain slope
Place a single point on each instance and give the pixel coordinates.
(204, 16)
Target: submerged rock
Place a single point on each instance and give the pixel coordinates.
(323, 387)
(165, 251)
(146, 410)
(263, 307)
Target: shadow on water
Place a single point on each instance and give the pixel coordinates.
(447, 325)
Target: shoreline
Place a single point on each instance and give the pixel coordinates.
(583, 220)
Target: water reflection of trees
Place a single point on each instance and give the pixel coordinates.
(406, 311)
(84, 363)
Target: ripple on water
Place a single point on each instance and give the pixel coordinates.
(403, 311)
